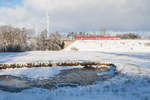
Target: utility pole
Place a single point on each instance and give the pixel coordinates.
(103, 32)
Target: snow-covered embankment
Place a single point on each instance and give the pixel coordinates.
(110, 45)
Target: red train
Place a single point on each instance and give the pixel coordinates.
(97, 37)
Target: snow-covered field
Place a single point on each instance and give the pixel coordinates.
(111, 45)
(131, 83)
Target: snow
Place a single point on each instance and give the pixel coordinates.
(131, 83)
(111, 72)
(110, 45)
(36, 73)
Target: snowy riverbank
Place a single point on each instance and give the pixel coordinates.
(131, 83)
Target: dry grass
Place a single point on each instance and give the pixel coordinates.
(147, 44)
(31, 65)
(74, 49)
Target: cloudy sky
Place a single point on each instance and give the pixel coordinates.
(77, 15)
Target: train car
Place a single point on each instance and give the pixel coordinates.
(97, 37)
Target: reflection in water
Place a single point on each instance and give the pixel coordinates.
(14, 84)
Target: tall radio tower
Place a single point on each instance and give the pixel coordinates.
(47, 18)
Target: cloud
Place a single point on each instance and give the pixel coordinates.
(80, 15)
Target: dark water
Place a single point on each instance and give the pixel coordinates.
(67, 78)
(14, 84)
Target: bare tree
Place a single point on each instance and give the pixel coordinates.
(12, 39)
(55, 42)
(52, 42)
(42, 40)
(16, 39)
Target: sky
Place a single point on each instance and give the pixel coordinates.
(77, 15)
(10, 3)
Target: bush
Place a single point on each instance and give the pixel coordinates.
(74, 49)
(130, 36)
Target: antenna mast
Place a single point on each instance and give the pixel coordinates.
(48, 18)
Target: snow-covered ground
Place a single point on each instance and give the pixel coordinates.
(131, 83)
(111, 45)
(36, 73)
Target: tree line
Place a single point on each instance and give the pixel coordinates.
(73, 35)
(18, 40)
